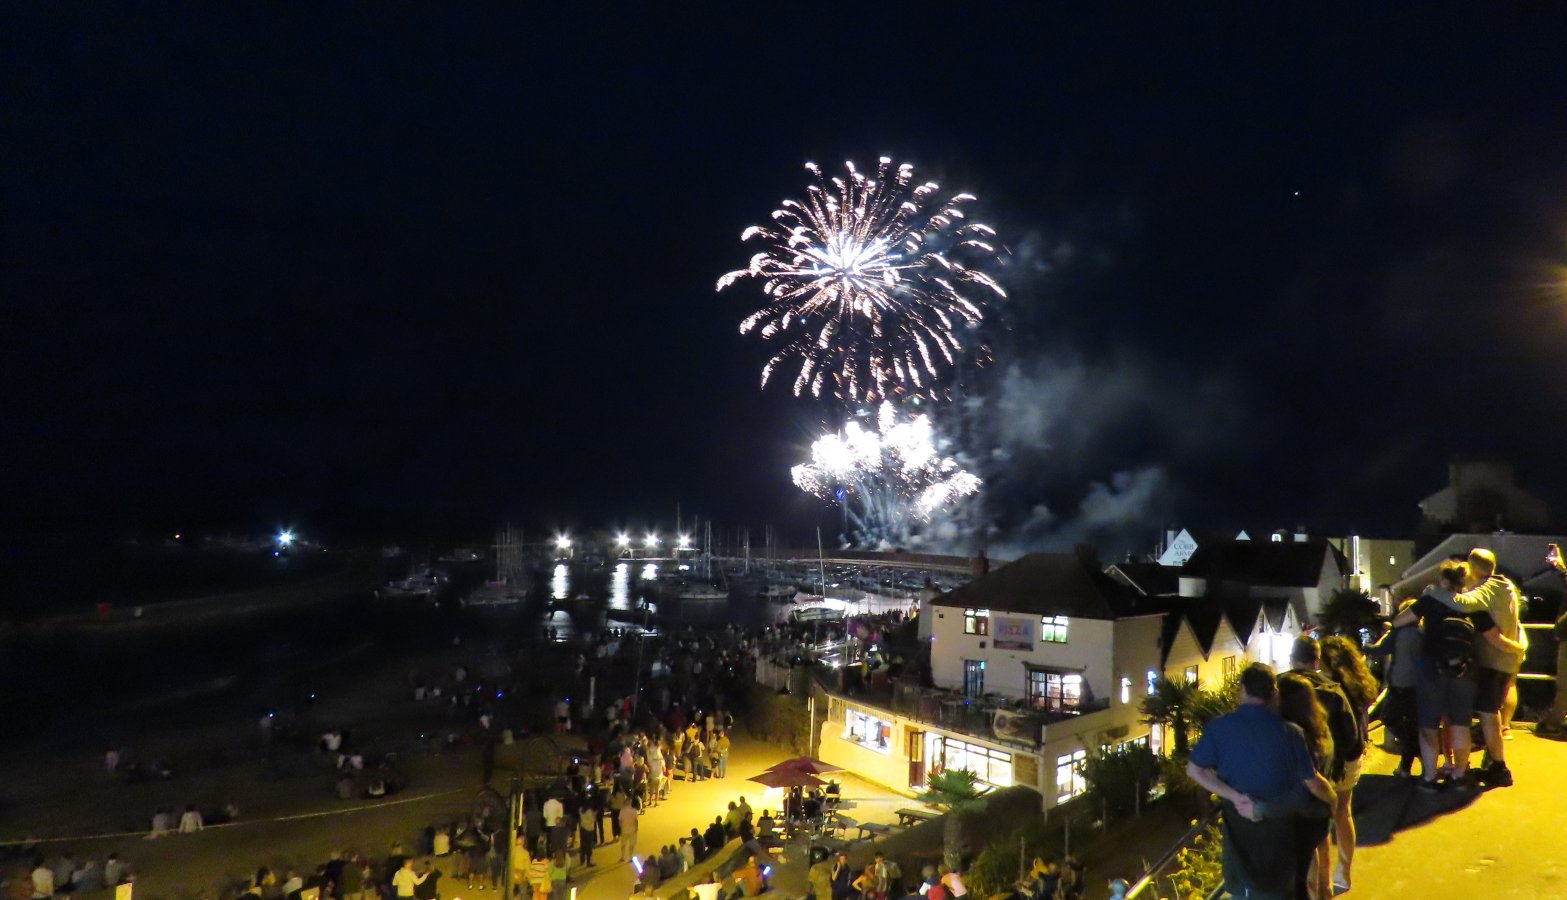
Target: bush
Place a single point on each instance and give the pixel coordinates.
(995, 869)
(1199, 869)
(1121, 776)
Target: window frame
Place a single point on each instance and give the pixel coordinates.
(1054, 698)
(1053, 629)
(976, 621)
(1069, 773)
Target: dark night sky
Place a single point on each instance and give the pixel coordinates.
(367, 268)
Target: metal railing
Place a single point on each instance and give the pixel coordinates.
(1538, 676)
(1160, 865)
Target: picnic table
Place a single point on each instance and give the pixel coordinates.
(831, 843)
(908, 815)
(874, 829)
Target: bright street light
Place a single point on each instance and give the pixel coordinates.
(622, 540)
(563, 542)
(685, 542)
(651, 541)
(284, 538)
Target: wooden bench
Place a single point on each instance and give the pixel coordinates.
(909, 816)
(874, 829)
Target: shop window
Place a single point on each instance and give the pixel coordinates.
(1069, 775)
(868, 731)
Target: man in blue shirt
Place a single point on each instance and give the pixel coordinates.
(1253, 756)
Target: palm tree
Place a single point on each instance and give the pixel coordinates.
(1348, 611)
(956, 792)
(1173, 703)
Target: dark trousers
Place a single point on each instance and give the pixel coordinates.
(1399, 717)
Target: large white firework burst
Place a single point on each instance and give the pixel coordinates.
(871, 282)
(891, 477)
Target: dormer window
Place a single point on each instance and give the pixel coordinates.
(1052, 629)
(976, 621)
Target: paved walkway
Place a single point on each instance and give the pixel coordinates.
(693, 805)
(1503, 843)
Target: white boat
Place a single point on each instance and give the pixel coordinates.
(494, 593)
(418, 586)
(777, 593)
(704, 593)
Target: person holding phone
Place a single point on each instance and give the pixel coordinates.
(1551, 721)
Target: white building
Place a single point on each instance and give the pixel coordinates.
(1303, 572)
(1035, 664)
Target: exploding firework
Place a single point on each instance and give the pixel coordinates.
(869, 281)
(889, 478)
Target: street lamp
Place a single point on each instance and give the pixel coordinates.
(650, 541)
(563, 545)
(623, 542)
(285, 538)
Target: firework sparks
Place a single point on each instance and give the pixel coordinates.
(869, 281)
(891, 476)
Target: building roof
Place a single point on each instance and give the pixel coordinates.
(1147, 578)
(1205, 617)
(1052, 584)
(1269, 563)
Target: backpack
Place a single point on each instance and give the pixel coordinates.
(1349, 744)
(1452, 646)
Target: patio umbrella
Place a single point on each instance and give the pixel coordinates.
(807, 765)
(787, 778)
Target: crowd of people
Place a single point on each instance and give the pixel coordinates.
(605, 792)
(1286, 762)
(65, 874)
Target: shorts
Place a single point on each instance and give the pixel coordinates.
(1490, 689)
(1439, 696)
(1351, 776)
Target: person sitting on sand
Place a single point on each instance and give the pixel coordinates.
(162, 824)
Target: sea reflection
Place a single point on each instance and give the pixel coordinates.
(620, 587)
(560, 582)
(650, 572)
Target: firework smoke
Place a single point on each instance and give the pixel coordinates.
(869, 281)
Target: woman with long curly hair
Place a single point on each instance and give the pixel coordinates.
(1343, 662)
(1298, 704)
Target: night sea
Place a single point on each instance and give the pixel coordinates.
(229, 633)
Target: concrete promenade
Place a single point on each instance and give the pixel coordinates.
(1501, 843)
(693, 805)
(300, 835)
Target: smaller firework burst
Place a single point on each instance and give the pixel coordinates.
(892, 476)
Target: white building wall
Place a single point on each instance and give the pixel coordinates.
(1089, 648)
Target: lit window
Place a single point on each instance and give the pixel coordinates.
(1052, 629)
(1156, 740)
(1229, 666)
(1126, 689)
(868, 731)
(1153, 682)
(976, 621)
(992, 767)
(1069, 775)
(1054, 690)
(1191, 673)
